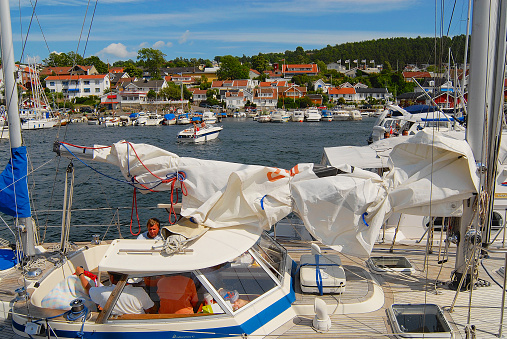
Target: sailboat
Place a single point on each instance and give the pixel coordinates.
(249, 285)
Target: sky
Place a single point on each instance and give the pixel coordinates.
(116, 29)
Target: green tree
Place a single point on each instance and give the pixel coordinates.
(152, 59)
(259, 63)
(231, 69)
(132, 70)
(95, 61)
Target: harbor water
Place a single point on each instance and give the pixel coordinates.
(102, 198)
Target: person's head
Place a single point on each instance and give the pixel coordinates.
(405, 132)
(387, 135)
(114, 277)
(153, 226)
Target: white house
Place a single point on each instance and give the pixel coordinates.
(76, 86)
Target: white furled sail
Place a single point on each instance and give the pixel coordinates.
(344, 211)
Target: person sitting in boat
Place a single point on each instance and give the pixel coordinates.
(153, 231)
(178, 295)
(132, 300)
(196, 128)
(203, 124)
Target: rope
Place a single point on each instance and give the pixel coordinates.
(134, 203)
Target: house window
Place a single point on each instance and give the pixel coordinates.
(97, 82)
(52, 83)
(87, 90)
(87, 82)
(65, 83)
(97, 90)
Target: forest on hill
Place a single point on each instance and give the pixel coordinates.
(397, 52)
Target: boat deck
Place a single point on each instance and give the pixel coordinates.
(362, 289)
(400, 288)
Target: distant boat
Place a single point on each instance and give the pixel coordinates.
(264, 118)
(183, 119)
(209, 117)
(169, 119)
(327, 116)
(280, 116)
(312, 115)
(341, 115)
(298, 116)
(199, 134)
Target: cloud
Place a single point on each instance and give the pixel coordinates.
(184, 37)
(169, 44)
(143, 44)
(119, 50)
(159, 44)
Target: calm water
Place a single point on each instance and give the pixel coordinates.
(242, 140)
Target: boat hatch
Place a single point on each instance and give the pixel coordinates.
(390, 264)
(419, 321)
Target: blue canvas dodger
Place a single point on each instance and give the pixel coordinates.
(14, 199)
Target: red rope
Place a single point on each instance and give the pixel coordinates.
(66, 143)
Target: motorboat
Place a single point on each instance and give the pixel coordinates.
(169, 119)
(327, 116)
(397, 120)
(312, 115)
(341, 115)
(355, 115)
(280, 116)
(298, 116)
(263, 118)
(209, 117)
(110, 121)
(154, 119)
(199, 134)
(183, 119)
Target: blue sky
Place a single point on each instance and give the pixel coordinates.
(207, 28)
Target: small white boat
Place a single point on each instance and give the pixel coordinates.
(183, 119)
(312, 115)
(199, 134)
(327, 116)
(209, 117)
(341, 115)
(125, 121)
(38, 123)
(298, 116)
(280, 116)
(264, 118)
(355, 115)
(154, 119)
(169, 119)
(111, 122)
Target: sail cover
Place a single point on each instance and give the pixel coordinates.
(14, 199)
(345, 211)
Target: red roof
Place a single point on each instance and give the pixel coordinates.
(75, 77)
(344, 90)
(416, 75)
(303, 68)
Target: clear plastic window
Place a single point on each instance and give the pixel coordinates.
(240, 281)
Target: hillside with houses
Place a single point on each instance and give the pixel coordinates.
(232, 84)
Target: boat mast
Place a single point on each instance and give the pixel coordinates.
(11, 100)
(487, 63)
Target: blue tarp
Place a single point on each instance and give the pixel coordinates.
(134, 115)
(196, 119)
(421, 109)
(169, 116)
(14, 199)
